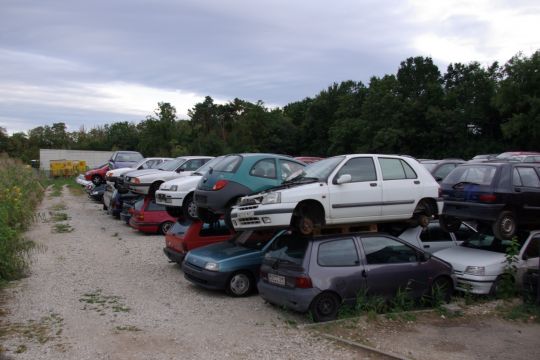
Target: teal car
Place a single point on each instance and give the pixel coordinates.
(238, 175)
(232, 265)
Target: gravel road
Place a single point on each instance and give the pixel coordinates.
(104, 291)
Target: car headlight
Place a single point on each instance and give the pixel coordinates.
(136, 181)
(94, 192)
(475, 270)
(211, 266)
(271, 198)
(173, 188)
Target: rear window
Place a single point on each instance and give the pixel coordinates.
(340, 252)
(289, 248)
(129, 157)
(217, 228)
(229, 163)
(138, 205)
(180, 228)
(256, 239)
(481, 175)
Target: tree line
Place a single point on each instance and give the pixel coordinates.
(468, 110)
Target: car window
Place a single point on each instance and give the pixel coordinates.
(172, 165)
(383, 250)
(229, 163)
(464, 233)
(255, 239)
(152, 206)
(396, 169)
(288, 167)
(138, 205)
(528, 177)
(265, 168)
(338, 253)
(128, 157)
(516, 179)
(217, 228)
(289, 248)
(533, 249)
(443, 171)
(491, 243)
(433, 232)
(192, 165)
(480, 174)
(360, 169)
(180, 227)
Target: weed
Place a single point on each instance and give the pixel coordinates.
(58, 207)
(20, 349)
(127, 328)
(45, 329)
(115, 234)
(62, 228)
(522, 312)
(506, 287)
(58, 216)
(99, 302)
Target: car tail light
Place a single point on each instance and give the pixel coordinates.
(489, 198)
(140, 216)
(303, 282)
(220, 184)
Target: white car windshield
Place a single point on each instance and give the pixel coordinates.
(318, 171)
(491, 243)
(210, 164)
(172, 165)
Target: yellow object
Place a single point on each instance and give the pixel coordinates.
(66, 168)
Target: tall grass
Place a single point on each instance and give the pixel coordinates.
(20, 193)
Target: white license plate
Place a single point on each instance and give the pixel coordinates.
(246, 214)
(276, 279)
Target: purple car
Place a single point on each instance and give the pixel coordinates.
(320, 274)
(123, 159)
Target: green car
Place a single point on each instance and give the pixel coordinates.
(239, 175)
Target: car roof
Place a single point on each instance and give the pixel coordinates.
(194, 157)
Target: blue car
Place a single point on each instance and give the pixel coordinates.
(232, 265)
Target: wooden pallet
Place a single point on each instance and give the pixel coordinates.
(342, 229)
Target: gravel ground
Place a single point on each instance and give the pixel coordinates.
(104, 291)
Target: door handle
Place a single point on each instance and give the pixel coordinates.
(417, 182)
(372, 184)
(426, 246)
(364, 274)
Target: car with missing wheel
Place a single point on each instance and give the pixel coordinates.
(346, 189)
(112, 176)
(97, 175)
(149, 217)
(231, 265)
(177, 194)
(500, 196)
(146, 182)
(319, 274)
(187, 235)
(479, 263)
(237, 175)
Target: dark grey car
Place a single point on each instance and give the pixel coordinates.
(321, 273)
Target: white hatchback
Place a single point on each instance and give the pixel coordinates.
(346, 189)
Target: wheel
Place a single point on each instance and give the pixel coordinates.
(422, 220)
(189, 208)
(240, 284)
(441, 290)
(153, 188)
(505, 226)
(206, 215)
(449, 223)
(503, 286)
(164, 227)
(96, 179)
(307, 221)
(174, 211)
(324, 307)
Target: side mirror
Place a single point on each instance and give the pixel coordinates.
(343, 179)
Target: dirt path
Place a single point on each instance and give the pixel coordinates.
(104, 291)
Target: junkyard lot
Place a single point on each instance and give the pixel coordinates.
(104, 291)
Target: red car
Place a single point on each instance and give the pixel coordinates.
(308, 159)
(187, 235)
(97, 175)
(149, 217)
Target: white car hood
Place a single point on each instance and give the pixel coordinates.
(185, 183)
(137, 173)
(120, 171)
(460, 257)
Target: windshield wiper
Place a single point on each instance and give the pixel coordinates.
(299, 179)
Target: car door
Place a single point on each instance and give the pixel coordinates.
(391, 265)
(338, 267)
(433, 238)
(401, 187)
(262, 175)
(526, 193)
(529, 257)
(358, 199)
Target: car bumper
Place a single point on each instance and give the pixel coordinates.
(143, 227)
(214, 280)
(139, 188)
(474, 284)
(295, 299)
(170, 198)
(262, 216)
(173, 255)
(473, 211)
(82, 181)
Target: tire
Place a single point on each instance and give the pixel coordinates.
(497, 286)
(441, 289)
(307, 221)
(240, 284)
(206, 215)
(449, 223)
(324, 307)
(189, 208)
(505, 226)
(164, 227)
(153, 188)
(174, 211)
(96, 179)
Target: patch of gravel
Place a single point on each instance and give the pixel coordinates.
(113, 295)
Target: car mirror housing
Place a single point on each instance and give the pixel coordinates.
(343, 179)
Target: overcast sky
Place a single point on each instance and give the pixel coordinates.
(101, 61)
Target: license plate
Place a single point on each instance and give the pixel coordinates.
(246, 214)
(276, 279)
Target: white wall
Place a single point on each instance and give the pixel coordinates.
(92, 158)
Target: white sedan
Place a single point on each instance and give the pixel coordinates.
(346, 189)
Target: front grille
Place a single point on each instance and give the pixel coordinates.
(195, 279)
(249, 207)
(249, 221)
(201, 198)
(194, 266)
(161, 196)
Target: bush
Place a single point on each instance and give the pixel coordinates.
(20, 193)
